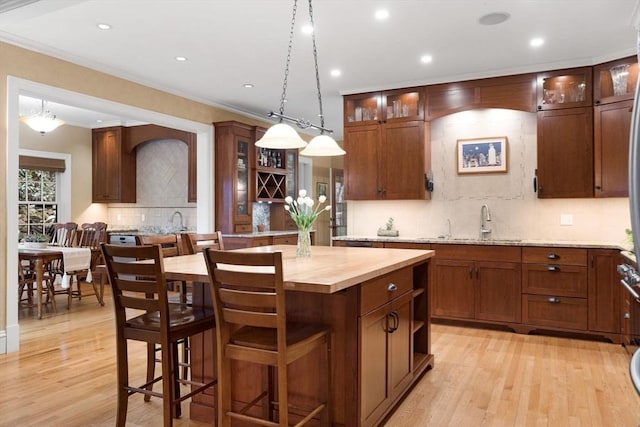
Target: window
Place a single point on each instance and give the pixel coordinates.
(37, 200)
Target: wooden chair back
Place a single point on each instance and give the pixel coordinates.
(247, 289)
(171, 244)
(92, 234)
(197, 242)
(136, 285)
(64, 234)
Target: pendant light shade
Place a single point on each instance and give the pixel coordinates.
(323, 145)
(43, 121)
(281, 136)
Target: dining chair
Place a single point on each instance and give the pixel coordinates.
(27, 283)
(65, 235)
(249, 306)
(90, 236)
(196, 242)
(142, 286)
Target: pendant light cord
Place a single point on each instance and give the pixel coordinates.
(315, 60)
(283, 98)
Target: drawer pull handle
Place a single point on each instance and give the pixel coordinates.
(392, 287)
(553, 300)
(553, 256)
(553, 268)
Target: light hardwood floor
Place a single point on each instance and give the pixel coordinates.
(64, 375)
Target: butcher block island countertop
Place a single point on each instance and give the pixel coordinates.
(375, 301)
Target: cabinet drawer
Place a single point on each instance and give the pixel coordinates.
(554, 311)
(566, 256)
(289, 239)
(376, 292)
(242, 228)
(477, 252)
(553, 279)
(260, 241)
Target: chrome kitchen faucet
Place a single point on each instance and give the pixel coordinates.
(485, 216)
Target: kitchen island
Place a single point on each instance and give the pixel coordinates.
(375, 300)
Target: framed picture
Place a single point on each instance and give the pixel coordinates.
(322, 189)
(482, 155)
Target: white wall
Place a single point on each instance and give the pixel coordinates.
(516, 211)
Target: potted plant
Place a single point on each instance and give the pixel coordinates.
(35, 240)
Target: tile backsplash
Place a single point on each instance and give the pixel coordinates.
(161, 187)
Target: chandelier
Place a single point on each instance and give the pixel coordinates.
(43, 122)
(283, 136)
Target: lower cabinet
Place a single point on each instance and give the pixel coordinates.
(239, 241)
(386, 357)
(393, 334)
(470, 289)
(554, 286)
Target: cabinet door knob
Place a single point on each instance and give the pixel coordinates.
(553, 268)
(392, 287)
(553, 300)
(627, 316)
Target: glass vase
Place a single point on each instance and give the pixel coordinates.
(303, 249)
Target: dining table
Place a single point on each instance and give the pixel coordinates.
(77, 259)
(358, 293)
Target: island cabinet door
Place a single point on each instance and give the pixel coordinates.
(452, 291)
(385, 358)
(374, 344)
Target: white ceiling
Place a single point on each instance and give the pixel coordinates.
(232, 42)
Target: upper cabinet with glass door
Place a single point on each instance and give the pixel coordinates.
(565, 89)
(615, 81)
(382, 107)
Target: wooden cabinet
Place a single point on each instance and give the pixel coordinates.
(568, 88)
(565, 153)
(554, 286)
(233, 169)
(624, 72)
(114, 167)
(604, 291)
(399, 105)
(276, 174)
(476, 283)
(512, 92)
(387, 161)
(386, 331)
(612, 125)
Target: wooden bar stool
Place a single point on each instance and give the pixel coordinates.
(249, 305)
(197, 242)
(142, 286)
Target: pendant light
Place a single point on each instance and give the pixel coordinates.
(43, 122)
(283, 136)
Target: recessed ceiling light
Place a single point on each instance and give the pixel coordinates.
(494, 18)
(426, 59)
(99, 120)
(335, 72)
(181, 58)
(247, 85)
(536, 42)
(382, 14)
(103, 26)
(307, 29)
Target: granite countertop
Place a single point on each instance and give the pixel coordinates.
(494, 242)
(263, 233)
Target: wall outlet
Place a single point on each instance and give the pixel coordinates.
(118, 217)
(143, 217)
(566, 219)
